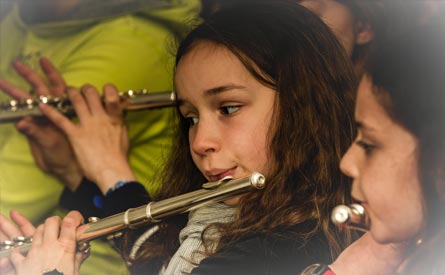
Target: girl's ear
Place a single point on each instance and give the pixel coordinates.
(364, 34)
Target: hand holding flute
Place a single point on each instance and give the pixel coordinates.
(54, 245)
(100, 132)
(70, 150)
(99, 139)
(49, 146)
(76, 151)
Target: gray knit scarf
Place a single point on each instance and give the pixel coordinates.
(190, 251)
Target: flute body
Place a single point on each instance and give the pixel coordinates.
(156, 211)
(14, 110)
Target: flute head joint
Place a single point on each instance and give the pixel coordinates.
(258, 180)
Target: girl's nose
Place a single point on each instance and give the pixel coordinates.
(348, 164)
(205, 137)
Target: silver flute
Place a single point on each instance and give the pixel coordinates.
(350, 216)
(113, 226)
(14, 110)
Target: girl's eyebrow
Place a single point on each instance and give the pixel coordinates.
(221, 89)
(362, 126)
(215, 91)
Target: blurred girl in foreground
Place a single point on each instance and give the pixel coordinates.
(397, 162)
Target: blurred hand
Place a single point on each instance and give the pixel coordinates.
(99, 139)
(10, 230)
(49, 146)
(53, 246)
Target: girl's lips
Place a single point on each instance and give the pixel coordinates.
(358, 201)
(216, 175)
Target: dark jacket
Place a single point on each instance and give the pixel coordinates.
(278, 253)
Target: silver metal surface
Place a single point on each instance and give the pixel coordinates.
(351, 216)
(14, 110)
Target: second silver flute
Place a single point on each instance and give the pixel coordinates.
(14, 110)
(211, 192)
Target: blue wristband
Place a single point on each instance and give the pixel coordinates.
(118, 185)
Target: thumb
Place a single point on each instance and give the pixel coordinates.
(34, 130)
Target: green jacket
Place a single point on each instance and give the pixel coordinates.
(130, 50)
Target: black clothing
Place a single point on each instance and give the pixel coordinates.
(90, 202)
(279, 253)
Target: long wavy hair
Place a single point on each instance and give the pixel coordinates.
(408, 73)
(287, 48)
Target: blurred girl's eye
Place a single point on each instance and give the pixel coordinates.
(368, 148)
(228, 110)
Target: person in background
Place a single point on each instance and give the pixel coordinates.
(94, 41)
(352, 21)
(244, 106)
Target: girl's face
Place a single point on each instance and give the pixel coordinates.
(348, 30)
(383, 163)
(230, 112)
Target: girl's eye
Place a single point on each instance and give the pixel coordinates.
(228, 110)
(192, 120)
(366, 146)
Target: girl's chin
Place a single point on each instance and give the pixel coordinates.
(391, 237)
(233, 201)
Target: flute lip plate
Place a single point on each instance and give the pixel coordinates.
(214, 184)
